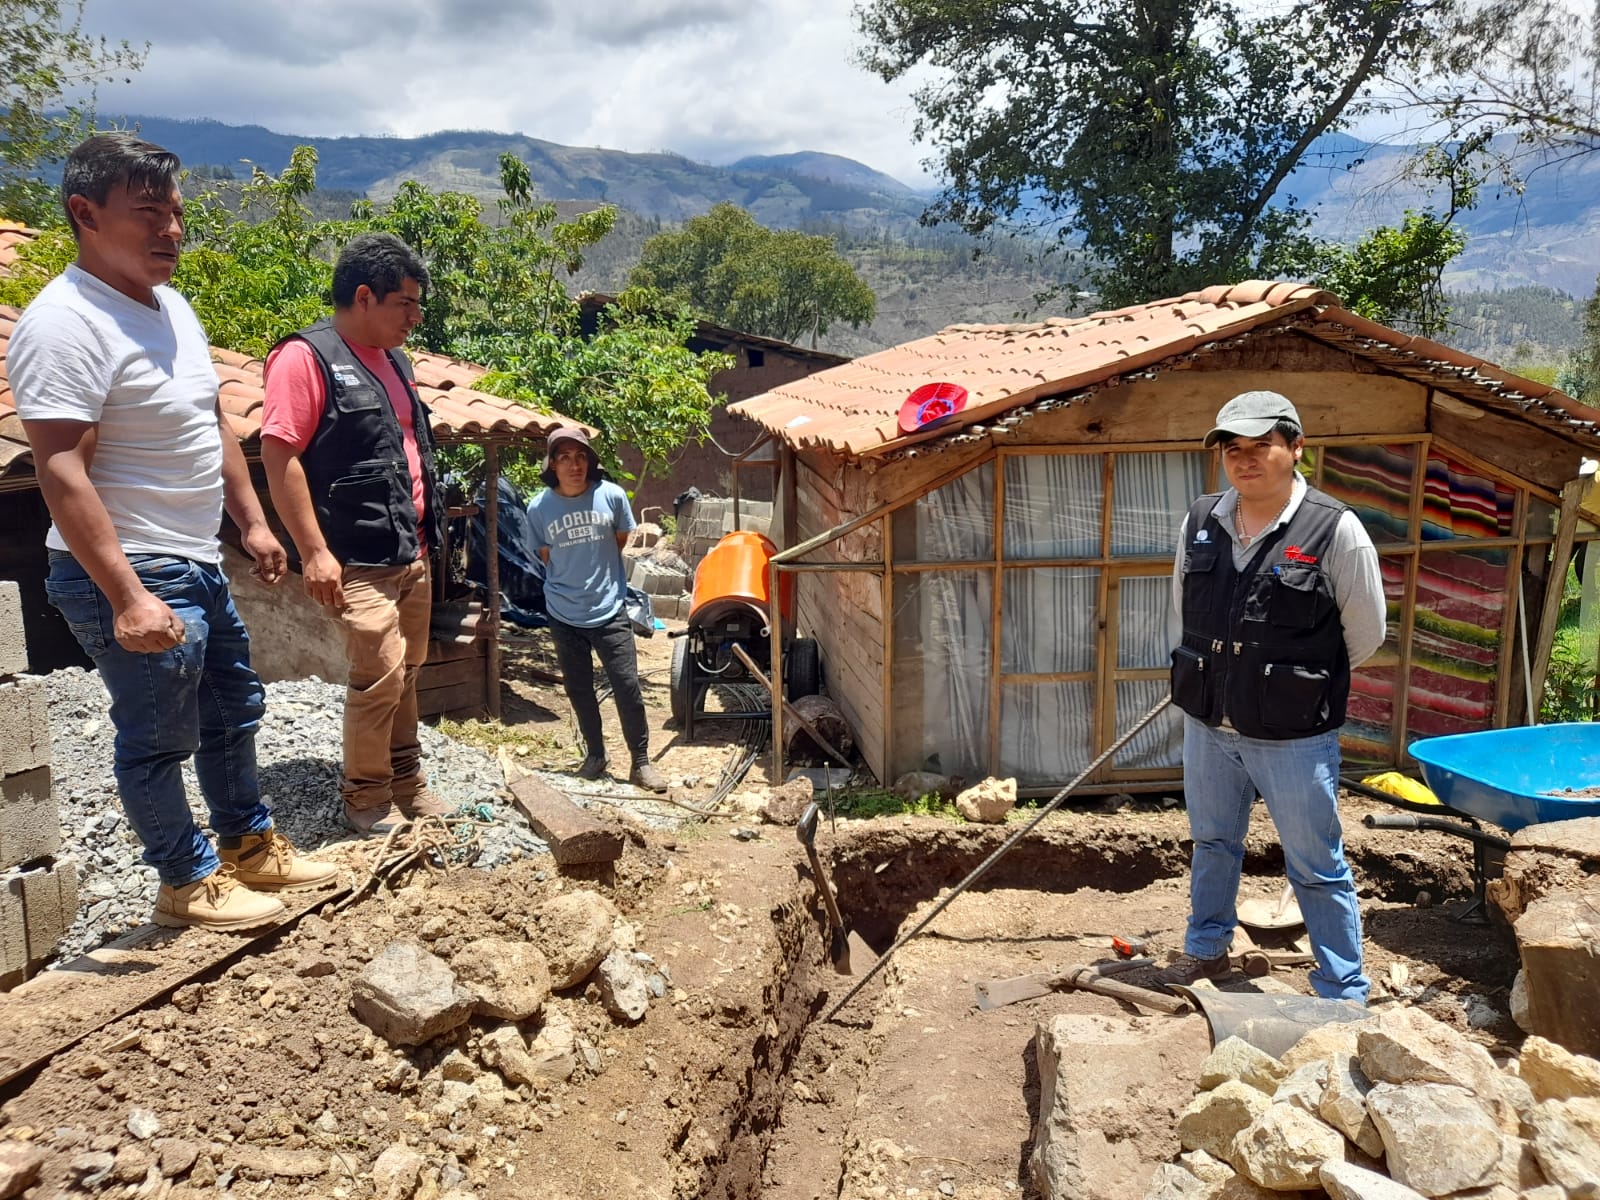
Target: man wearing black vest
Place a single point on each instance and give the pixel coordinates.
(349, 459)
(1280, 595)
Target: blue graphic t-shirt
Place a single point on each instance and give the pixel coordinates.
(584, 582)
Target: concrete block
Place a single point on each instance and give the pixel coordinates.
(37, 907)
(13, 641)
(1558, 938)
(24, 725)
(29, 824)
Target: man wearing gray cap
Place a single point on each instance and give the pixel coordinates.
(1280, 595)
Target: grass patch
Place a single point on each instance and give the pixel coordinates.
(876, 802)
(495, 735)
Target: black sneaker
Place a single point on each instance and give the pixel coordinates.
(1186, 969)
(593, 765)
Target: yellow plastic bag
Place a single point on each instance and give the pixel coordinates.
(1405, 788)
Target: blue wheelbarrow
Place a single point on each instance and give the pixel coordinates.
(1506, 777)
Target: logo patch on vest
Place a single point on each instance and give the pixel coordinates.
(345, 374)
(1203, 535)
(1295, 554)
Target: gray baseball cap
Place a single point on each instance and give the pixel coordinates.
(1251, 415)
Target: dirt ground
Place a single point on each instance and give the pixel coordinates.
(262, 1082)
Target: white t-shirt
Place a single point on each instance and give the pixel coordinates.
(82, 351)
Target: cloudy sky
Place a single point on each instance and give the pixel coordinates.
(711, 79)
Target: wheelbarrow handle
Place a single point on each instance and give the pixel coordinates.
(1435, 824)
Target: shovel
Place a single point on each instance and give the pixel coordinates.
(842, 943)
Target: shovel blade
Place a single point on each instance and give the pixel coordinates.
(996, 993)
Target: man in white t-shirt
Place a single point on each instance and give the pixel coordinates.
(113, 380)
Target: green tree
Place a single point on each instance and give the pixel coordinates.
(777, 283)
(1580, 376)
(45, 55)
(1157, 135)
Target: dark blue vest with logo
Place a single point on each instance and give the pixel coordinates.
(355, 463)
(1263, 646)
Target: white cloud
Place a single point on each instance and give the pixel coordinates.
(712, 79)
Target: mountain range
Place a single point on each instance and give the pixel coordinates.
(1545, 234)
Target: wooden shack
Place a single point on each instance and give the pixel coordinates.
(993, 594)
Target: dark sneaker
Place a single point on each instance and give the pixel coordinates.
(593, 765)
(646, 776)
(1186, 969)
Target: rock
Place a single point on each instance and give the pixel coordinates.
(19, 1167)
(1206, 1168)
(269, 1162)
(555, 1051)
(504, 1050)
(577, 935)
(143, 1123)
(175, 1155)
(1172, 1182)
(408, 996)
(1216, 1117)
(1566, 1141)
(397, 1172)
(1303, 1088)
(1519, 1003)
(786, 804)
(1284, 1148)
(1408, 1046)
(1558, 940)
(1236, 1058)
(1324, 1042)
(989, 802)
(204, 1172)
(622, 986)
(92, 1168)
(914, 785)
(457, 1067)
(511, 980)
(132, 1164)
(1555, 1073)
(1346, 1181)
(1344, 1104)
(1437, 1138)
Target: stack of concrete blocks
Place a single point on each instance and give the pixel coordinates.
(712, 519)
(38, 891)
(667, 585)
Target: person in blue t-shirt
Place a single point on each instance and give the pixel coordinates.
(578, 527)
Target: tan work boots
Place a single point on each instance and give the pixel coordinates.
(216, 902)
(266, 862)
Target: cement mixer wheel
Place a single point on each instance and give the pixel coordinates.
(682, 686)
(804, 674)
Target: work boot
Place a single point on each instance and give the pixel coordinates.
(593, 765)
(421, 803)
(378, 821)
(646, 776)
(1186, 969)
(218, 901)
(266, 862)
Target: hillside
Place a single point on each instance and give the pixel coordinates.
(1530, 252)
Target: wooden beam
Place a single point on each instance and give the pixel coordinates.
(491, 520)
(1526, 451)
(573, 834)
(1560, 557)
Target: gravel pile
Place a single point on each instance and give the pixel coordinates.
(298, 748)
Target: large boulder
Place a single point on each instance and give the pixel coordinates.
(511, 980)
(1437, 1138)
(1566, 1141)
(408, 996)
(1284, 1148)
(576, 933)
(1554, 1073)
(989, 802)
(1216, 1117)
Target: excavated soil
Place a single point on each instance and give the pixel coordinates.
(260, 1079)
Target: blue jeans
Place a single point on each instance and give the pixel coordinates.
(200, 697)
(1223, 771)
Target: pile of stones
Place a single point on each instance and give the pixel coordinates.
(1396, 1107)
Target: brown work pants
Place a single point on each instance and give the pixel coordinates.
(385, 617)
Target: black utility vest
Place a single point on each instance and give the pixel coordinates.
(355, 463)
(1263, 646)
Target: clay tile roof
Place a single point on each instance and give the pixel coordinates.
(853, 410)
(12, 235)
(460, 414)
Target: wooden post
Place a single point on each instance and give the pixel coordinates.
(775, 638)
(1560, 557)
(491, 521)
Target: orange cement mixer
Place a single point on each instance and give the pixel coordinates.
(731, 605)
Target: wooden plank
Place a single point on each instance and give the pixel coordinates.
(1561, 556)
(1524, 450)
(877, 751)
(574, 835)
(457, 700)
(433, 675)
(56, 1009)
